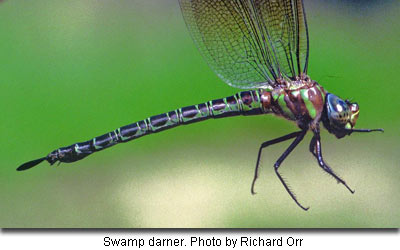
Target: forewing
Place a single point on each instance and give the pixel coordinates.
(285, 26)
(249, 43)
(222, 32)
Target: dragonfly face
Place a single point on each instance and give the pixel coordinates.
(339, 116)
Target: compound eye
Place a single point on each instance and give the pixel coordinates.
(339, 110)
(340, 106)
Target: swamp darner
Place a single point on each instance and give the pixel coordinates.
(261, 45)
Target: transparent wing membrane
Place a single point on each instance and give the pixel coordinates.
(250, 43)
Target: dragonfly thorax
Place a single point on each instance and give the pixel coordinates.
(339, 116)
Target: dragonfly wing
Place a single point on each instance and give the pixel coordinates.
(249, 43)
(285, 25)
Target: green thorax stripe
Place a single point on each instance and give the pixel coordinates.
(286, 110)
(309, 105)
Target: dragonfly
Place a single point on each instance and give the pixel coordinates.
(261, 46)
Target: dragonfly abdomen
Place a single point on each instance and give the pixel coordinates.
(242, 103)
(282, 102)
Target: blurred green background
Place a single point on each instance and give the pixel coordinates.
(73, 70)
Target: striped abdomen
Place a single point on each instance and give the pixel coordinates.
(243, 103)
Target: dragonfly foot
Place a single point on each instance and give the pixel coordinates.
(252, 185)
(304, 208)
(348, 188)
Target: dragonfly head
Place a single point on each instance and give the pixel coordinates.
(339, 117)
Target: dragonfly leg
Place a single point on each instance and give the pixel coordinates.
(312, 147)
(296, 141)
(266, 144)
(316, 145)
